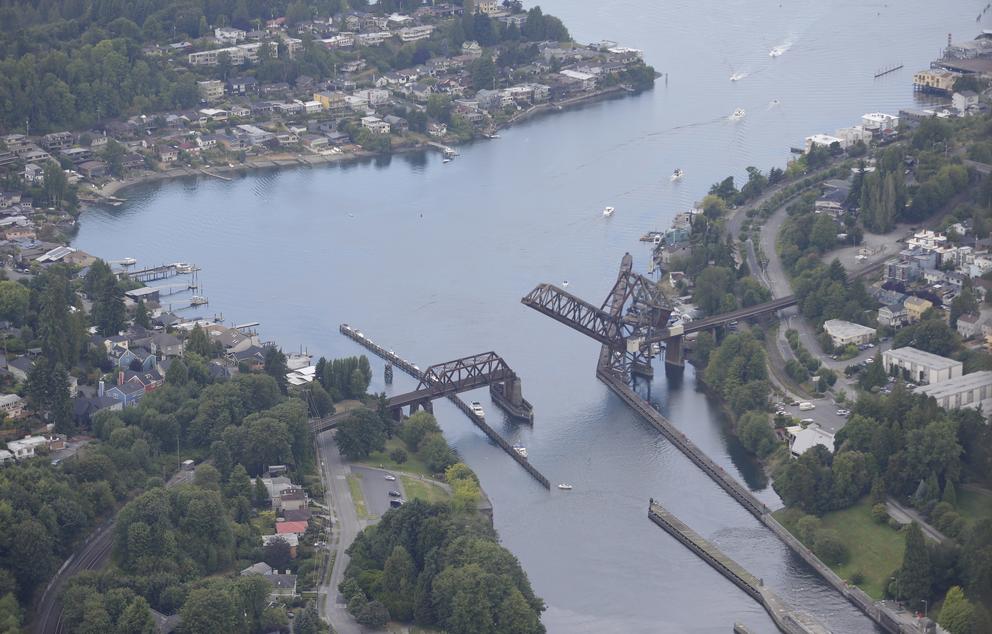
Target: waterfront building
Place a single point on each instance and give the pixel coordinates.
(935, 81)
(375, 125)
(971, 390)
(879, 121)
(920, 366)
(822, 140)
(843, 333)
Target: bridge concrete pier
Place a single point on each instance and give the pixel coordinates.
(674, 357)
(508, 396)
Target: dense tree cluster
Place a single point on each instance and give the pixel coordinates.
(438, 567)
(737, 373)
(345, 378)
(824, 292)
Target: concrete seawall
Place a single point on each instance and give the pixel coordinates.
(479, 422)
(787, 619)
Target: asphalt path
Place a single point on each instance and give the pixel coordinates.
(93, 555)
(346, 524)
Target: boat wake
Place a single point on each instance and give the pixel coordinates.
(774, 103)
(739, 76)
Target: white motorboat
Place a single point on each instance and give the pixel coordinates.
(738, 76)
(521, 450)
(446, 160)
(564, 284)
(565, 487)
(477, 410)
(184, 267)
(608, 211)
(677, 174)
(776, 52)
(738, 114)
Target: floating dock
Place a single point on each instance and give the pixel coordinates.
(409, 368)
(787, 619)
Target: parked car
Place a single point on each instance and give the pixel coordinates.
(395, 494)
(396, 503)
(390, 477)
(805, 406)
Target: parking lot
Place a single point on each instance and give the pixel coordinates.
(376, 488)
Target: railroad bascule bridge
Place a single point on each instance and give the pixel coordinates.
(632, 322)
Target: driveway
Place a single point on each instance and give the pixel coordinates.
(376, 488)
(905, 515)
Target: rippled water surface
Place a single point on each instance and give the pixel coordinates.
(431, 260)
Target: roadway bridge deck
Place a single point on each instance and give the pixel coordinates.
(416, 373)
(788, 620)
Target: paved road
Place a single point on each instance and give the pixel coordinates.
(93, 555)
(905, 515)
(376, 489)
(338, 496)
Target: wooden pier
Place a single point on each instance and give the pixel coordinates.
(150, 274)
(786, 618)
(412, 370)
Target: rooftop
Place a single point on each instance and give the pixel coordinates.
(958, 385)
(841, 328)
(921, 357)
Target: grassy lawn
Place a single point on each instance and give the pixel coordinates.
(974, 506)
(358, 497)
(419, 490)
(875, 550)
(413, 463)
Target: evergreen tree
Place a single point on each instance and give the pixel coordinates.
(141, 317)
(957, 612)
(275, 366)
(914, 577)
(199, 343)
(54, 328)
(950, 494)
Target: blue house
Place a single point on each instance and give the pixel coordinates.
(128, 393)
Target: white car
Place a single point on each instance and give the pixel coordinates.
(390, 477)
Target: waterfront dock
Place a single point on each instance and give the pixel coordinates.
(787, 619)
(414, 371)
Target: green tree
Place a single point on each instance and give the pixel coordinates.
(137, 618)
(141, 317)
(210, 610)
(964, 304)
(275, 366)
(309, 621)
(14, 298)
(912, 582)
(199, 343)
(436, 453)
(360, 434)
(756, 433)
(957, 613)
(177, 374)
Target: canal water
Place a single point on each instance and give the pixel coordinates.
(431, 260)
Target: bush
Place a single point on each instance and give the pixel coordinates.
(879, 514)
(807, 527)
(829, 547)
(894, 524)
(857, 578)
(398, 455)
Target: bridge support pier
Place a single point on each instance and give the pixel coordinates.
(508, 395)
(427, 406)
(673, 353)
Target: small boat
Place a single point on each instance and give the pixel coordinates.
(677, 174)
(564, 284)
(565, 487)
(446, 160)
(197, 300)
(777, 51)
(738, 114)
(128, 262)
(608, 211)
(477, 410)
(184, 267)
(520, 449)
(738, 76)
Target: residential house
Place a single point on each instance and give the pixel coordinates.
(20, 368)
(210, 90)
(375, 125)
(892, 315)
(261, 568)
(915, 307)
(398, 125)
(969, 325)
(283, 527)
(12, 406)
(290, 538)
(93, 169)
(27, 446)
(84, 408)
(167, 154)
(5, 456)
(128, 393)
(253, 357)
(283, 585)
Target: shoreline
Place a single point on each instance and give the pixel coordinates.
(111, 190)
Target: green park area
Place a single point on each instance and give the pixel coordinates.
(974, 505)
(874, 550)
(386, 459)
(417, 489)
(357, 497)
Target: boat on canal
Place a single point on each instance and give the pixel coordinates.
(521, 450)
(565, 487)
(608, 211)
(477, 410)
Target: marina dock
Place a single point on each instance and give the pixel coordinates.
(412, 370)
(787, 619)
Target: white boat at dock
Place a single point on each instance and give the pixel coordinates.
(565, 487)
(608, 211)
(197, 300)
(521, 450)
(185, 267)
(477, 410)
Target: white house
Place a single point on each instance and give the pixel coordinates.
(964, 100)
(843, 333)
(25, 447)
(879, 121)
(802, 440)
(920, 366)
(375, 124)
(822, 140)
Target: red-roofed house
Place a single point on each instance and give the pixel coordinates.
(297, 528)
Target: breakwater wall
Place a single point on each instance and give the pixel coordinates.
(787, 619)
(414, 371)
